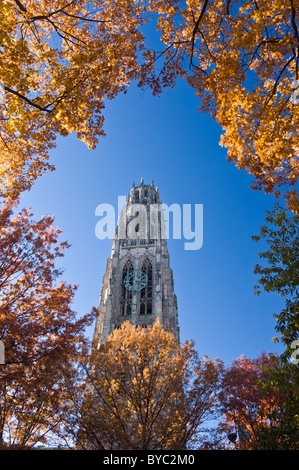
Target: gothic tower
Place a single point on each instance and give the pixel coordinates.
(138, 282)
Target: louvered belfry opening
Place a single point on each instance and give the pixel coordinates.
(146, 294)
(126, 294)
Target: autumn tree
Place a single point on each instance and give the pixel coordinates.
(61, 61)
(146, 391)
(242, 59)
(247, 409)
(43, 338)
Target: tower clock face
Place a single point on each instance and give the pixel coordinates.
(135, 280)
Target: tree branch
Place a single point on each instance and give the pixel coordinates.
(21, 6)
(195, 30)
(293, 20)
(30, 102)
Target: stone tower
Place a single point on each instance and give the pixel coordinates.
(138, 282)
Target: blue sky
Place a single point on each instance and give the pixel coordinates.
(167, 139)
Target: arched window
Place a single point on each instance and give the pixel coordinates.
(146, 294)
(126, 295)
